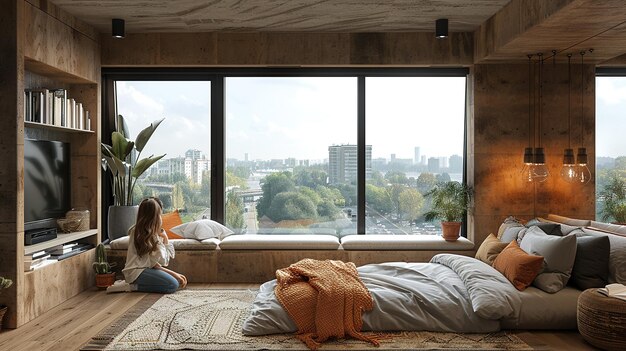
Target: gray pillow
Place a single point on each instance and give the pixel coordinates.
(509, 222)
(559, 253)
(591, 267)
(617, 257)
(511, 234)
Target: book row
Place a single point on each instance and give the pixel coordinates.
(54, 107)
(53, 254)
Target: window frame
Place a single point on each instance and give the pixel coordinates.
(217, 77)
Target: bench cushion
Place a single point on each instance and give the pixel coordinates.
(179, 244)
(569, 221)
(280, 242)
(403, 242)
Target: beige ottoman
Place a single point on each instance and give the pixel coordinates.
(602, 320)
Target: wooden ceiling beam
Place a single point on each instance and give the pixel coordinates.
(532, 26)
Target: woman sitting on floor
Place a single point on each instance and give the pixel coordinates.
(149, 251)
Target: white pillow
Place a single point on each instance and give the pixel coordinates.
(202, 229)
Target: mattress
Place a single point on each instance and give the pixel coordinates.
(541, 310)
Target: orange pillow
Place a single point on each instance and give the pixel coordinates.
(517, 266)
(170, 220)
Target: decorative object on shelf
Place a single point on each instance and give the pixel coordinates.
(441, 28)
(4, 284)
(451, 201)
(583, 172)
(569, 171)
(81, 214)
(122, 158)
(117, 28)
(69, 225)
(613, 197)
(104, 276)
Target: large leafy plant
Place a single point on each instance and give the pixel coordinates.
(614, 199)
(450, 203)
(122, 158)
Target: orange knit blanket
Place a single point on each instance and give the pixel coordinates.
(325, 299)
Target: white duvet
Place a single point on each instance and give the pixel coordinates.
(452, 293)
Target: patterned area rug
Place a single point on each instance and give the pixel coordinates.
(208, 319)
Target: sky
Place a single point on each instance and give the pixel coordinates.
(277, 118)
(610, 116)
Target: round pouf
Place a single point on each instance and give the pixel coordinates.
(602, 320)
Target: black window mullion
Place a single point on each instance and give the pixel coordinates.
(217, 149)
(361, 162)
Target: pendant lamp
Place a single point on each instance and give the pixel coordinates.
(527, 170)
(583, 172)
(540, 170)
(569, 170)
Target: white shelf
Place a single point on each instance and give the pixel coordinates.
(62, 238)
(53, 127)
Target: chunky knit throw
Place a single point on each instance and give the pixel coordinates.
(325, 299)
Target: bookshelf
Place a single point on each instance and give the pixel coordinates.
(62, 238)
(28, 124)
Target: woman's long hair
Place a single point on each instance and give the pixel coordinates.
(148, 225)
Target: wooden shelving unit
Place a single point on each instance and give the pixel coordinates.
(57, 128)
(62, 238)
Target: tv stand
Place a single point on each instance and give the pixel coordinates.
(36, 236)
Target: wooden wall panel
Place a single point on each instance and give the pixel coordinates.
(56, 44)
(287, 49)
(500, 122)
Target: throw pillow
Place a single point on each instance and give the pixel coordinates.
(202, 229)
(509, 222)
(512, 233)
(517, 266)
(171, 220)
(548, 228)
(591, 267)
(490, 249)
(559, 253)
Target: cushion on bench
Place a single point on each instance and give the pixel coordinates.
(569, 221)
(403, 242)
(609, 227)
(280, 242)
(179, 244)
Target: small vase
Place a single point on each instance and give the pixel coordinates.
(451, 230)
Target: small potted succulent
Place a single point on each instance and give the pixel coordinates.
(104, 276)
(451, 201)
(4, 284)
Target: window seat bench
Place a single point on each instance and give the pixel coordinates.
(254, 258)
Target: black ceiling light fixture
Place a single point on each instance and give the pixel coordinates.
(117, 28)
(441, 28)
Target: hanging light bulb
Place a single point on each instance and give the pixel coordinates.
(540, 170)
(583, 172)
(569, 170)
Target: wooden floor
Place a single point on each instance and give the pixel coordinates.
(73, 323)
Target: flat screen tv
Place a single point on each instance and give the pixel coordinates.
(47, 184)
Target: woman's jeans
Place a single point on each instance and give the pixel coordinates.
(156, 281)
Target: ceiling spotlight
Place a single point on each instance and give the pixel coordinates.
(117, 28)
(441, 28)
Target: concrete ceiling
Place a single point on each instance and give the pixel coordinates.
(144, 16)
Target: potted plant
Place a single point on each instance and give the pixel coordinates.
(613, 197)
(104, 276)
(450, 202)
(4, 284)
(122, 158)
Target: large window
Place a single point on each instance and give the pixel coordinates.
(273, 151)
(610, 146)
(415, 133)
(282, 137)
(181, 179)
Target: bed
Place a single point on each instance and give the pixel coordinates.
(452, 293)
